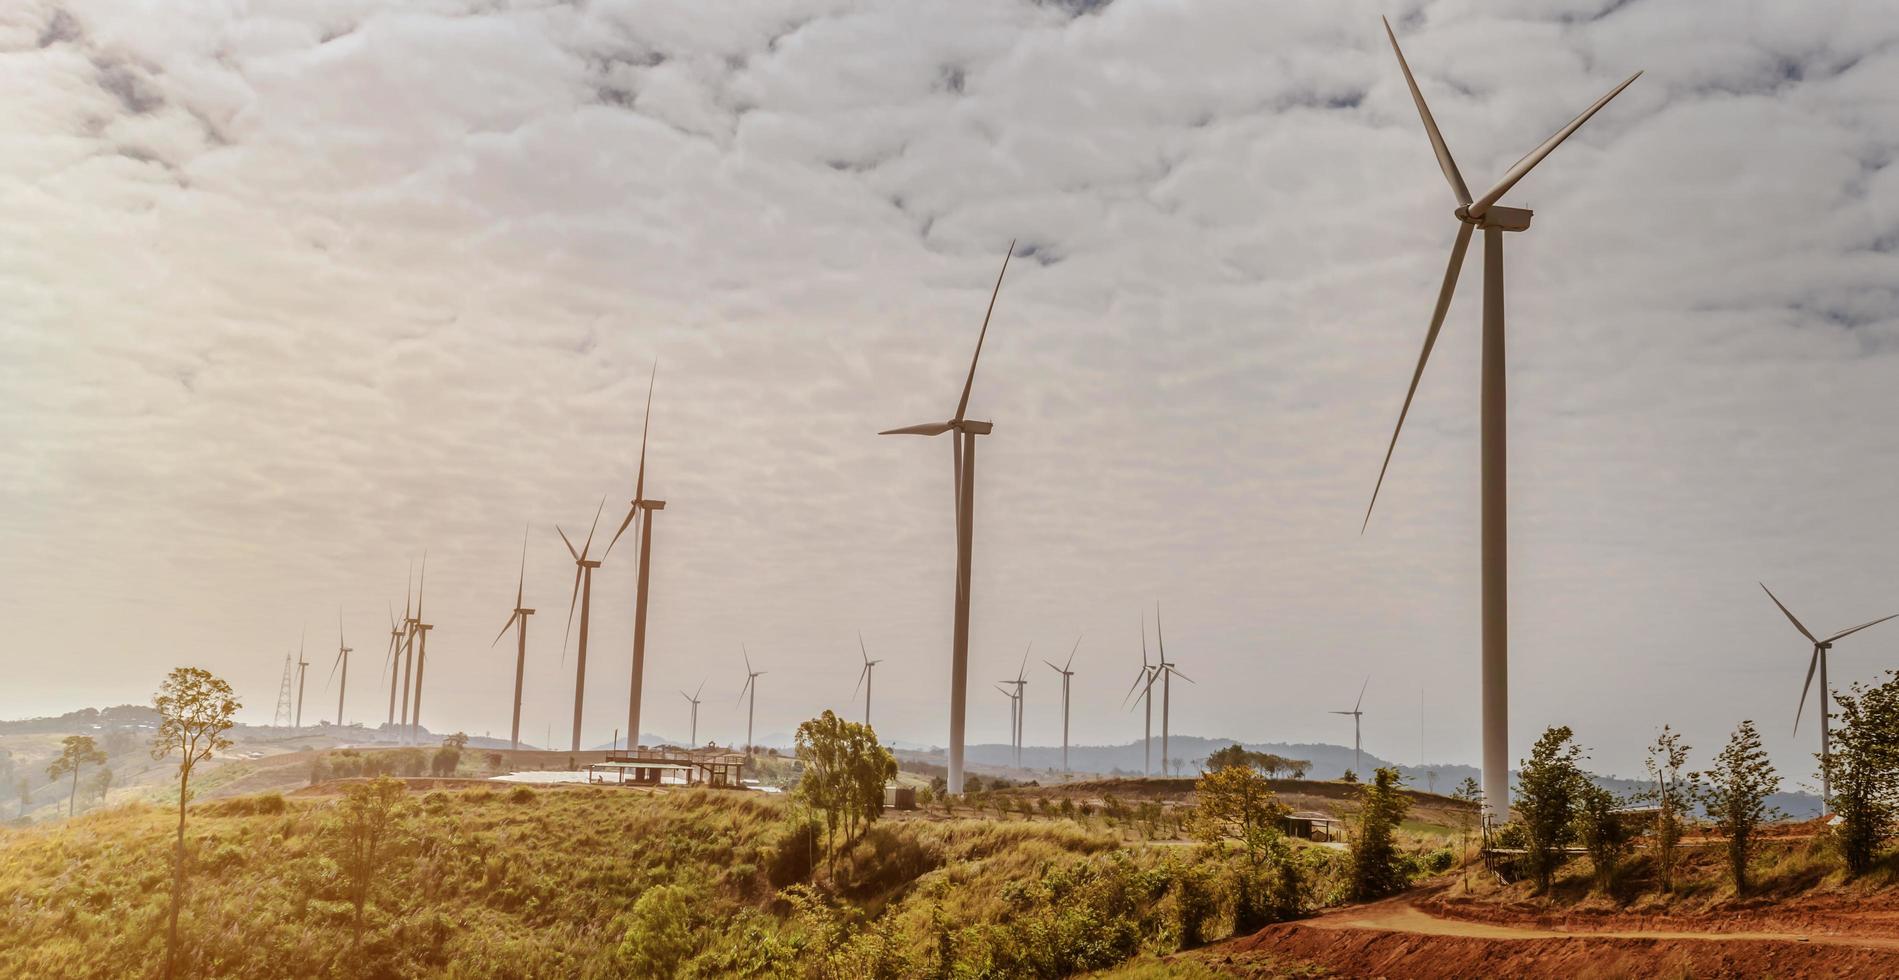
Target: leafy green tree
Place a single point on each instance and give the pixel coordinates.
(1602, 833)
(1549, 784)
(1377, 867)
(1237, 803)
(445, 759)
(101, 783)
(366, 827)
(195, 709)
(845, 770)
(1673, 796)
(76, 751)
(1735, 796)
(1863, 770)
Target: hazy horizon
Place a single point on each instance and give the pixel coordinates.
(292, 296)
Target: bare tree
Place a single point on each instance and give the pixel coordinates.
(195, 709)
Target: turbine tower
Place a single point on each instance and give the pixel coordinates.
(422, 628)
(407, 654)
(519, 615)
(1144, 683)
(342, 660)
(282, 715)
(1484, 213)
(963, 473)
(1358, 764)
(1820, 647)
(643, 509)
(1015, 719)
(583, 593)
(863, 677)
(303, 668)
(1067, 674)
(692, 741)
(751, 688)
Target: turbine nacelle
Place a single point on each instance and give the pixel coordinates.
(1500, 218)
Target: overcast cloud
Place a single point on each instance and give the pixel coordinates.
(291, 290)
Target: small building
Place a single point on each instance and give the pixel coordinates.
(900, 798)
(1309, 825)
(667, 767)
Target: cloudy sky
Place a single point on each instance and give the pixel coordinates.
(291, 290)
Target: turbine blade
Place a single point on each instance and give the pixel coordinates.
(695, 694)
(422, 585)
(1052, 666)
(596, 524)
(860, 646)
(408, 591)
(565, 541)
(1534, 157)
(631, 512)
(920, 429)
(1845, 633)
(1160, 638)
(1071, 654)
(1182, 676)
(747, 654)
(860, 681)
(1024, 669)
(572, 601)
(1430, 339)
(969, 382)
(333, 665)
(1789, 614)
(1138, 678)
(504, 629)
(1361, 693)
(639, 484)
(520, 584)
(1143, 641)
(1804, 688)
(1438, 146)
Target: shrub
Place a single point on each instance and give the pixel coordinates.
(522, 794)
(661, 932)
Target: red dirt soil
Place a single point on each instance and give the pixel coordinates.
(1411, 936)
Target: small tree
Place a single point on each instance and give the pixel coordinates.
(457, 741)
(1735, 796)
(101, 783)
(1548, 785)
(75, 752)
(1377, 867)
(1602, 834)
(195, 709)
(1863, 770)
(845, 770)
(1468, 791)
(1671, 794)
(445, 760)
(368, 822)
(1236, 803)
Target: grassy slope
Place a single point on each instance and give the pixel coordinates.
(525, 883)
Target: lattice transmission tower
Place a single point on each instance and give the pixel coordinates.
(283, 715)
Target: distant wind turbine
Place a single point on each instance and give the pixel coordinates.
(1067, 674)
(1015, 719)
(963, 462)
(1484, 213)
(1820, 648)
(1357, 762)
(342, 660)
(422, 627)
(396, 632)
(1166, 671)
(642, 508)
(1144, 683)
(692, 741)
(751, 688)
(519, 615)
(1021, 684)
(303, 667)
(583, 593)
(864, 676)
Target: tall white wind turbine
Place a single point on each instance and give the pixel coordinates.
(864, 676)
(1484, 213)
(1067, 675)
(1358, 763)
(963, 462)
(1820, 648)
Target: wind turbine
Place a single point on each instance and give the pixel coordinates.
(519, 615)
(303, 667)
(751, 687)
(422, 628)
(863, 677)
(407, 655)
(693, 699)
(963, 472)
(395, 648)
(1020, 683)
(1066, 675)
(1484, 213)
(1144, 682)
(342, 660)
(583, 593)
(1820, 647)
(1358, 764)
(1015, 718)
(1166, 671)
(640, 506)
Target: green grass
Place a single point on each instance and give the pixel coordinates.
(589, 882)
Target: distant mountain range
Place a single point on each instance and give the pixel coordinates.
(1327, 761)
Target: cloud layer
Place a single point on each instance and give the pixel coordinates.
(293, 292)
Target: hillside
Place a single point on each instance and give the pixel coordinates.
(586, 881)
